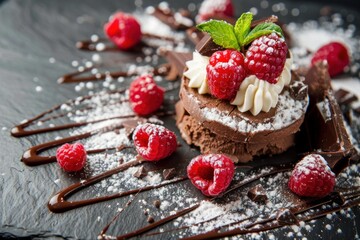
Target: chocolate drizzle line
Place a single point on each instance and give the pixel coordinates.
(19, 130)
(117, 215)
(74, 77)
(89, 45)
(59, 204)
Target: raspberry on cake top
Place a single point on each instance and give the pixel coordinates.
(251, 72)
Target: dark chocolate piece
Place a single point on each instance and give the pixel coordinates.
(177, 60)
(194, 35)
(157, 203)
(286, 217)
(207, 47)
(257, 194)
(270, 19)
(298, 90)
(324, 122)
(318, 80)
(169, 173)
(140, 173)
(177, 20)
(345, 97)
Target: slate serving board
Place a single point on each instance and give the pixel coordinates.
(32, 32)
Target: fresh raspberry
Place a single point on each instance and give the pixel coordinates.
(225, 72)
(145, 96)
(211, 173)
(266, 57)
(312, 177)
(335, 54)
(71, 157)
(215, 9)
(124, 30)
(154, 142)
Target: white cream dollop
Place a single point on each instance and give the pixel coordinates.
(256, 95)
(196, 72)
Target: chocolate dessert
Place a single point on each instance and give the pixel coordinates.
(215, 125)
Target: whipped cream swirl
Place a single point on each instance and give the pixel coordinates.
(256, 95)
(196, 72)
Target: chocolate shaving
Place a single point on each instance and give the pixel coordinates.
(286, 217)
(257, 194)
(338, 198)
(140, 173)
(169, 173)
(150, 219)
(157, 203)
(298, 90)
(131, 124)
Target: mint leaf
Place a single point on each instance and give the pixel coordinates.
(263, 29)
(242, 27)
(221, 32)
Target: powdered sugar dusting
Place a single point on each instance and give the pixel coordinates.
(287, 112)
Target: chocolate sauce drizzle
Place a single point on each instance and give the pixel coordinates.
(59, 204)
(107, 45)
(75, 77)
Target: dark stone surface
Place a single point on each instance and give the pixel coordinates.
(31, 32)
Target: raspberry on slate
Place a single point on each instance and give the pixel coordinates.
(266, 57)
(215, 9)
(145, 96)
(225, 72)
(123, 30)
(336, 55)
(312, 177)
(71, 157)
(211, 173)
(154, 142)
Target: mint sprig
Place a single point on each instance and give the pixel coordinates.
(240, 35)
(221, 32)
(242, 27)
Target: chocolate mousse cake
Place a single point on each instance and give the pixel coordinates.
(262, 119)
